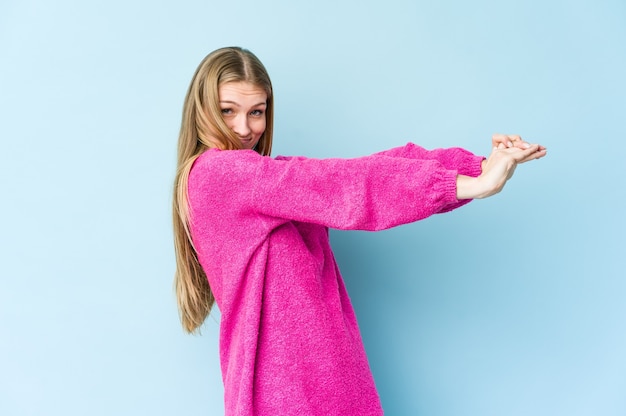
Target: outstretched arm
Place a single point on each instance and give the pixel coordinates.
(369, 193)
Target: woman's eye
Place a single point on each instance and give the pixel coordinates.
(257, 112)
(226, 111)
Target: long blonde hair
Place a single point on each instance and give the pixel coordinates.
(202, 128)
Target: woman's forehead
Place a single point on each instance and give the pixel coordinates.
(241, 88)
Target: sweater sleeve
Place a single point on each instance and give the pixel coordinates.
(369, 193)
(465, 162)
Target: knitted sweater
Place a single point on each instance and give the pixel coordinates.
(289, 340)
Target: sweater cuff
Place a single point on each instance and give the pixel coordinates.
(474, 167)
(449, 186)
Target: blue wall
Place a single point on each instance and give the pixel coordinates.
(510, 306)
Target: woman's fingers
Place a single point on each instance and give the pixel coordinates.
(522, 154)
(531, 152)
(509, 140)
(535, 151)
(498, 140)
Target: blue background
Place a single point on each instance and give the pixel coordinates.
(514, 305)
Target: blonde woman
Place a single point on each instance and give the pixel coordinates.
(251, 234)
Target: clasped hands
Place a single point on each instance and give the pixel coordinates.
(508, 152)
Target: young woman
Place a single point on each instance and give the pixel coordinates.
(251, 233)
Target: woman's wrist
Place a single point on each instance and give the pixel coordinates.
(468, 187)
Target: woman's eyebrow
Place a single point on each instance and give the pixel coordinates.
(237, 104)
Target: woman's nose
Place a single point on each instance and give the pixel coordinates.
(240, 126)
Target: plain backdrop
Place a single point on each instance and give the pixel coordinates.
(514, 305)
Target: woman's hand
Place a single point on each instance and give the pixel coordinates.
(504, 141)
(508, 152)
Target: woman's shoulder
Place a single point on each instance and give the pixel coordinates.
(215, 161)
(210, 155)
(224, 171)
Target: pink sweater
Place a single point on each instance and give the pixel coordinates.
(289, 339)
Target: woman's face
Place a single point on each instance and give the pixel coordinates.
(243, 108)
